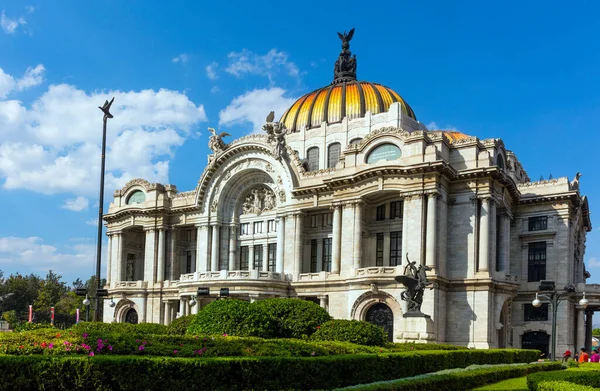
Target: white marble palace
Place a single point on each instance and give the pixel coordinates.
(327, 204)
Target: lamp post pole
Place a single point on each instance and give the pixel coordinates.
(106, 110)
(555, 299)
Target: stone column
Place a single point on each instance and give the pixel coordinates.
(251, 257)
(167, 317)
(323, 299)
(484, 235)
(149, 256)
(265, 257)
(160, 269)
(181, 306)
(506, 243)
(336, 248)
(588, 330)
(280, 244)
(580, 329)
(109, 260)
(119, 258)
(232, 246)
(357, 234)
(405, 214)
(214, 251)
(202, 248)
(431, 238)
(298, 244)
(173, 256)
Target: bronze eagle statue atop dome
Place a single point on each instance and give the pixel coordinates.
(345, 67)
(346, 38)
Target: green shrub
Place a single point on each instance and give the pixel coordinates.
(295, 318)
(139, 329)
(109, 372)
(410, 346)
(32, 326)
(584, 375)
(179, 325)
(233, 317)
(355, 331)
(562, 386)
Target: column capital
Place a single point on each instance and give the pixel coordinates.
(411, 194)
(201, 225)
(335, 205)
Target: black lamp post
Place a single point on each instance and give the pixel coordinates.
(550, 293)
(106, 110)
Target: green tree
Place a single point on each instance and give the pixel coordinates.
(52, 289)
(596, 332)
(25, 289)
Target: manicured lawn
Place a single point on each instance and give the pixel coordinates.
(518, 384)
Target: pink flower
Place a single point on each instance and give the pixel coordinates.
(51, 346)
(110, 348)
(174, 351)
(225, 335)
(91, 354)
(141, 347)
(85, 335)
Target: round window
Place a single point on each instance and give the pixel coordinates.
(137, 197)
(384, 152)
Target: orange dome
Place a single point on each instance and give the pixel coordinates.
(350, 99)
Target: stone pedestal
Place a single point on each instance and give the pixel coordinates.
(416, 327)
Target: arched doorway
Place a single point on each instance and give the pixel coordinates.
(381, 315)
(131, 316)
(539, 340)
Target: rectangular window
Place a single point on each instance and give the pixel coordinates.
(189, 235)
(312, 155)
(188, 262)
(272, 250)
(533, 314)
(380, 212)
(327, 254)
(313, 255)
(536, 262)
(258, 257)
(314, 222)
(395, 248)
(272, 226)
(538, 223)
(327, 219)
(244, 255)
(379, 250)
(258, 227)
(396, 208)
(244, 229)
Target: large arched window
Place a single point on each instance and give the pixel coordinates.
(312, 156)
(500, 162)
(137, 197)
(333, 154)
(384, 152)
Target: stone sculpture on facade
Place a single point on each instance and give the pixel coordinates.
(415, 280)
(258, 201)
(574, 184)
(216, 144)
(275, 135)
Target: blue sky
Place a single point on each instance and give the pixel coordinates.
(525, 72)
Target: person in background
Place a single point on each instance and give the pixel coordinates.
(567, 355)
(583, 356)
(595, 356)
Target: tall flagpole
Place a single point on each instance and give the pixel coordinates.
(106, 110)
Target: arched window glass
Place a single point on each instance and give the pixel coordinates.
(500, 162)
(312, 155)
(355, 141)
(333, 154)
(137, 197)
(384, 152)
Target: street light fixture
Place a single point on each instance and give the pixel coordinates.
(555, 298)
(112, 304)
(86, 303)
(193, 301)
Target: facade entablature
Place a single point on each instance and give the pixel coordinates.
(139, 194)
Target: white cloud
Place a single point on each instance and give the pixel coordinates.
(31, 78)
(10, 25)
(434, 126)
(215, 89)
(183, 58)
(593, 262)
(247, 62)
(211, 70)
(30, 9)
(254, 106)
(59, 136)
(93, 222)
(76, 204)
(31, 254)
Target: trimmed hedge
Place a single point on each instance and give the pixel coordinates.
(355, 331)
(460, 380)
(295, 318)
(139, 329)
(179, 325)
(562, 386)
(105, 372)
(585, 375)
(233, 317)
